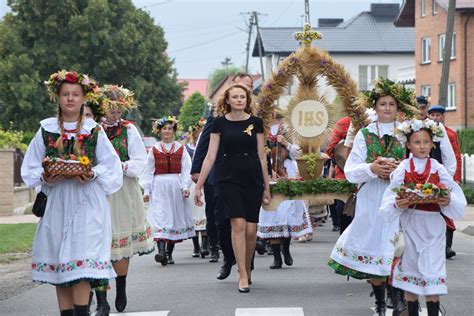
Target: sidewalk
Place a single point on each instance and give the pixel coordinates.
(19, 219)
(466, 224)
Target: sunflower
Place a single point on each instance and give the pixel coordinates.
(84, 160)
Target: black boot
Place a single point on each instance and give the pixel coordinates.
(399, 303)
(269, 249)
(81, 310)
(197, 248)
(161, 256)
(205, 246)
(277, 262)
(389, 301)
(169, 252)
(433, 308)
(260, 247)
(121, 293)
(103, 307)
(380, 305)
(286, 252)
(67, 312)
(224, 270)
(91, 296)
(449, 243)
(413, 308)
(214, 254)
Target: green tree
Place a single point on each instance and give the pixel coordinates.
(111, 40)
(192, 110)
(218, 75)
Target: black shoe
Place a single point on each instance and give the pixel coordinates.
(214, 254)
(260, 246)
(196, 252)
(277, 261)
(380, 305)
(161, 256)
(286, 252)
(413, 308)
(121, 298)
(433, 308)
(399, 303)
(205, 246)
(224, 271)
(169, 253)
(244, 289)
(80, 310)
(450, 253)
(103, 307)
(336, 228)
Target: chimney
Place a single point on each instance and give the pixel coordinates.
(329, 22)
(384, 9)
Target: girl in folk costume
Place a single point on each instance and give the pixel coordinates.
(166, 182)
(131, 233)
(289, 220)
(199, 212)
(364, 250)
(421, 269)
(72, 242)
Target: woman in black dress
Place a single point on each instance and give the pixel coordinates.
(243, 178)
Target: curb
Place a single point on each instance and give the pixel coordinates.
(469, 230)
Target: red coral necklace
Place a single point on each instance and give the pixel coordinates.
(420, 178)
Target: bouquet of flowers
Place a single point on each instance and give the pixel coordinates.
(421, 193)
(68, 166)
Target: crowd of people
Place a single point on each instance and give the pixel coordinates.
(211, 189)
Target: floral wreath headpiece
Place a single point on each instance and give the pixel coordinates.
(158, 124)
(202, 121)
(407, 127)
(125, 100)
(97, 108)
(405, 98)
(64, 76)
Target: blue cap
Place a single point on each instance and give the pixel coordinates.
(422, 100)
(436, 108)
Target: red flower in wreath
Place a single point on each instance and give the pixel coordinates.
(71, 77)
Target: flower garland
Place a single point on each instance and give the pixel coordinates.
(116, 97)
(408, 127)
(202, 121)
(405, 98)
(158, 124)
(64, 76)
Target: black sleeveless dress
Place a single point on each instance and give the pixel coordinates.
(240, 179)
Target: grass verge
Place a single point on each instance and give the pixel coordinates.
(16, 238)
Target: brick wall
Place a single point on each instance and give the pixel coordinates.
(430, 74)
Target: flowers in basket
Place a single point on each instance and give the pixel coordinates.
(68, 165)
(421, 193)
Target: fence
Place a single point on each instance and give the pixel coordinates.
(468, 168)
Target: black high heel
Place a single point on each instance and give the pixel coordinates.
(244, 289)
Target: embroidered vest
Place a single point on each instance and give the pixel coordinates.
(376, 145)
(118, 136)
(88, 144)
(166, 163)
(434, 179)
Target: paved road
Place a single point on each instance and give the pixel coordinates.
(308, 288)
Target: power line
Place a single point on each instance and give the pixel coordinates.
(281, 14)
(204, 43)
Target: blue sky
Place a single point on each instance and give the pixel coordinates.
(201, 34)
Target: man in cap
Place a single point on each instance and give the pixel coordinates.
(423, 105)
(436, 113)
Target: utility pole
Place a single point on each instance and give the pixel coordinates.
(259, 43)
(251, 22)
(306, 11)
(443, 86)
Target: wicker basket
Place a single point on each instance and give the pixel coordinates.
(65, 168)
(317, 172)
(416, 199)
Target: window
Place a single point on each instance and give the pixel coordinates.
(368, 73)
(423, 7)
(434, 7)
(426, 90)
(451, 96)
(425, 50)
(441, 43)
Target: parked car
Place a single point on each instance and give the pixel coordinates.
(149, 142)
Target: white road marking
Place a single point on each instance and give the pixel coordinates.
(274, 311)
